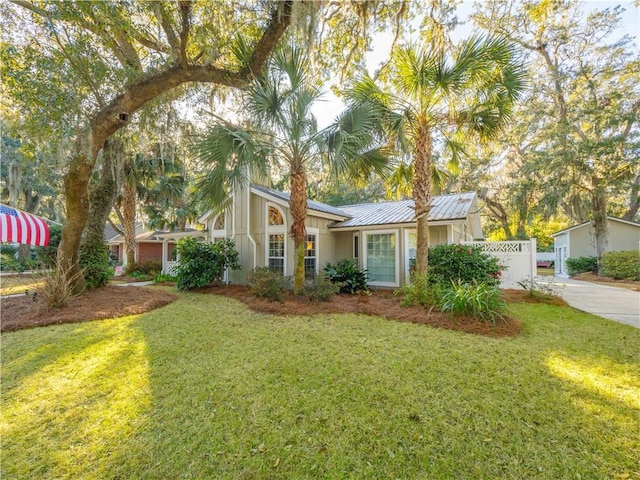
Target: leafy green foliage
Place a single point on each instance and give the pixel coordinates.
(581, 265)
(347, 274)
(145, 267)
(269, 284)
(420, 292)
(621, 265)
(94, 262)
(320, 288)
(460, 263)
(164, 277)
(479, 300)
(48, 255)
(203, 263)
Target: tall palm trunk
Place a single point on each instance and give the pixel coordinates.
(422, 180)
(298, 205)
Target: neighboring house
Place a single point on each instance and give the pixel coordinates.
(380, 236)
(158, 245)
(580, 241)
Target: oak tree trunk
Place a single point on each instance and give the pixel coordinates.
(600, 223)
(129, 199)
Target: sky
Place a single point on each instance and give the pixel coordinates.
(326, 110)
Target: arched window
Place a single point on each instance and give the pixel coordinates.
(219, 228)
(276, 239)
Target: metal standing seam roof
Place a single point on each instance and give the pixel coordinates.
(311, 204)
(443, 207)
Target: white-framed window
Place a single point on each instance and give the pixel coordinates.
(219, 228)
(276, 238)
(311, 252)
(410, 251)
(381, 257)
(356, 247)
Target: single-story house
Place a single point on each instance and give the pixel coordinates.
(381, 237)
(157, 245)
(580, 241)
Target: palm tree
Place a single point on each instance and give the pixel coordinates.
(443, 100)
(285, 134)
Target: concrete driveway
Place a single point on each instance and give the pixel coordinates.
(614, 303)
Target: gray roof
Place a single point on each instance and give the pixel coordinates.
(443, 207)
(311, 204)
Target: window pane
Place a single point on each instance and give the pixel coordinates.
(219, 225)
(310, 246)
(381, 257)
(277, 264)
(276, 245)
(356, 247)
(309, 267)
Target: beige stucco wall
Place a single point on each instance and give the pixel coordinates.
(581, 243)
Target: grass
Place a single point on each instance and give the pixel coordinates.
(10, 285)
(203, 388)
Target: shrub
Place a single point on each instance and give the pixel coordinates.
(57, 287)
(204, 263)
(48, 255)
(94, 261)
(579, 265)
(8, 263)
(419, 292)
(621, 265)
(320, 288)
(479, 300)
(464, 264)
(269, 284)
(164, 277)
(144, 268)
(348, 276)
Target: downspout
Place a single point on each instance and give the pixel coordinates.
(255, 247)
(233, 218)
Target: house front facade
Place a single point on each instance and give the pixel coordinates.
(580, 241)
(381, 237)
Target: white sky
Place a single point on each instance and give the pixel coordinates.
(327, 110)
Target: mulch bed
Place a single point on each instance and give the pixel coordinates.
(380, 303)
(108, 302)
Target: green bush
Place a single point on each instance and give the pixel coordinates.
(579, 265)
(621, 265)
(479, 300)
(8, 263)
(164, 277)
(204, 263)
(145, 268)
(269, 284)
(461, 263)
(419, 292)
(94, 262)
(48, 255)
(320, 288)
(348, 276)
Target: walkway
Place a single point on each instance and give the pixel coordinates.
(614, 303)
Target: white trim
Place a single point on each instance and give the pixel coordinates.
(285, 204)
(221, 232)
(364, 252)
(316, 232)
(275, 230)
(432, 223)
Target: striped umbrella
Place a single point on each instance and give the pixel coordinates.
(17, 226)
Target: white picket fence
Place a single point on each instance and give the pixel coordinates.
(518, 258)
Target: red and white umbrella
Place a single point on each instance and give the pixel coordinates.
(17, 226)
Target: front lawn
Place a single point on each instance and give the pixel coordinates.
(204, 388)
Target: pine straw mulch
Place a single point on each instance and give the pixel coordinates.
(112, 302)
(22, 312)
(380, 303)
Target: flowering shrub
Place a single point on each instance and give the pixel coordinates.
(465, 264)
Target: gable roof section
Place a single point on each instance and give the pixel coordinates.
(620, 220)
(283, 199)
(443, 207)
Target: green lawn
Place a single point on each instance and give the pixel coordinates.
(204, 388)
(18, 284)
